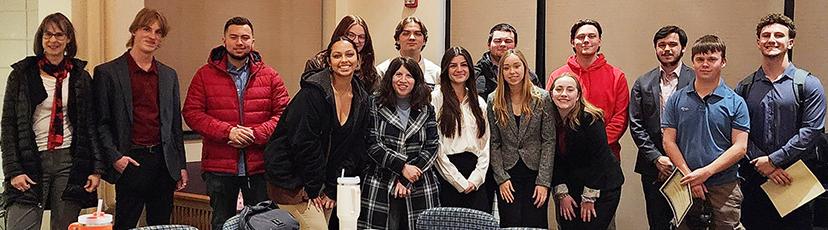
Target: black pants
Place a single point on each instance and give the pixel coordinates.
(397, 214)
(449, 196)
(490, 188)
(522, 211)
(147, 185)
(759, 213)
(224, 191)
(659, 213)
(605, 207)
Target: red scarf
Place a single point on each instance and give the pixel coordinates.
(59, 72)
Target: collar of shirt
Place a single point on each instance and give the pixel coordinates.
(676, 71)
(788, 73)
(238, 71)
(134, 68)
(720, 91)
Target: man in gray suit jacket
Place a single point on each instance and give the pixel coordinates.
(647, 98)
(139, 125)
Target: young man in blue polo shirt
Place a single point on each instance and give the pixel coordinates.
(705, 129)
(786, 123)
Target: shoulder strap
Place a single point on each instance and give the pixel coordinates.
(799, 85)
(799, 92)
(744, 85)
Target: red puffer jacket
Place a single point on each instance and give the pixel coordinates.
(212, 109)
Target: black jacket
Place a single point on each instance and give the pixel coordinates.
(586, 159)
(645, 117)
(300, 152)
(486, 75)
(113, 94)
(24, 91)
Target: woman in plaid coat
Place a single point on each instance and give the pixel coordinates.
(399, 181)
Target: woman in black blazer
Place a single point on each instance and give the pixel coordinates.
(584, 166)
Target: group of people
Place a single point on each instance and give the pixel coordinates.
(418, 135)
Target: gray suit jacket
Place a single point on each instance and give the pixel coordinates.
(533, 141)
(645, 116)
(113, 92)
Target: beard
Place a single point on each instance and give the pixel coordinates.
(672, 63)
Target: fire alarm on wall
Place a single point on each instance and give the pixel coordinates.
(410, 3)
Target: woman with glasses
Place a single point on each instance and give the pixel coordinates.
(399, 181)
(356, 29)
(50, 157)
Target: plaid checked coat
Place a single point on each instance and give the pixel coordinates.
(391, 147)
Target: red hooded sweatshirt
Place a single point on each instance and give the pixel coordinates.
(605, 86)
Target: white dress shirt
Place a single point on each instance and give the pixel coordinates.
(468, 142)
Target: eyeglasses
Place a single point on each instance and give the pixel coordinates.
(59, 36)
(354, 37)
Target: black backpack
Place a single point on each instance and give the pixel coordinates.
(818, 161)
(266, 216)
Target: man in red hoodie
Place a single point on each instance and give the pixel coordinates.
(604, 85)
(234, 102)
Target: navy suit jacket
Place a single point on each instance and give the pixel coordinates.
(645, 117)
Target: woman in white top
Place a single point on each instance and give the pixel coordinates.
(463, 156)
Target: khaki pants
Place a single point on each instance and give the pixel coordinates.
(308, 216)
(726, 203)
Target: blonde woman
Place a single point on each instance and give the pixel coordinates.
(588, 177)
(522, 144)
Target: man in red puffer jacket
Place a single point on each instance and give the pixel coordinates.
(234, 102)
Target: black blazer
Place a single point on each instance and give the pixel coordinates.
(645, 117)
(586, 159)
(114, 101)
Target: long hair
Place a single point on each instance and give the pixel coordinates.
(420, 93)
(502, 94)
(368, 74)
(330, 46)
(450, 114)
(146, 17)
(573, 118)
(60, 21)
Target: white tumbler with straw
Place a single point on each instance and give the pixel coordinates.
(347, 201)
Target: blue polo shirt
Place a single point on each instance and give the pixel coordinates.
(704, 126)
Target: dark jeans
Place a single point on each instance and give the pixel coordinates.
(449, 196)
(147, 185)
(659, 213)
(224, 191)
(522, 211)
(605, 208)
(759, 213)
(56, 165)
